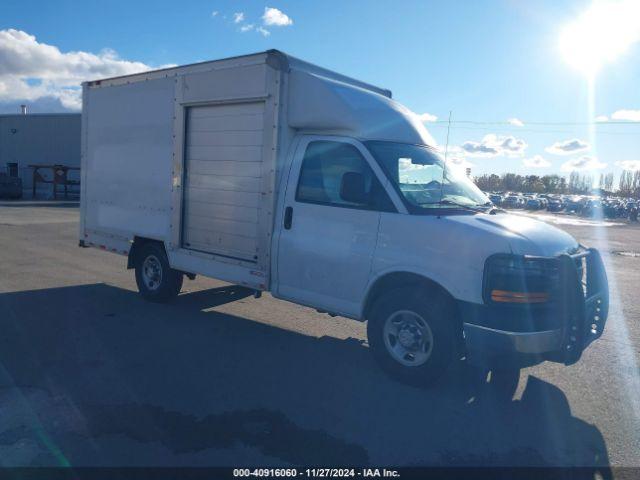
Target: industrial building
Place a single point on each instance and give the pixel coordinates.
(39, 139)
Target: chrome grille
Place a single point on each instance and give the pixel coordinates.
(581, 267)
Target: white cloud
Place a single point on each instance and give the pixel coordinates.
(512, 145)
(568, 147)
(274, 17)
(602, 118)
(451, 151)
(584, 163)
(630, 115)
(426, 117)
(537, 161)
(629, 164)
(405, 166)
(263, 31)
(515, 122)
(459, 161)
(246, 27)
(455, 156)
(493, 145)
(480, 149)
(32, 71)
(214, 13)
(238, 17)
(454, 150)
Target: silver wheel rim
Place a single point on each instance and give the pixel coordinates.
(152, 272)
(408, 338)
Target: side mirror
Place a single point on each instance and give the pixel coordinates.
(352, 188)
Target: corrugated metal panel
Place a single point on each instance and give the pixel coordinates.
(236, 153)
(223, 179)
(243, 169)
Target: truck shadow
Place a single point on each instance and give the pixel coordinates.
(88, 367)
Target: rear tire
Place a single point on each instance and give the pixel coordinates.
(411, 334)
(156, 280)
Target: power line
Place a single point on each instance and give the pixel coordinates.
(476, 122)
(528, 130)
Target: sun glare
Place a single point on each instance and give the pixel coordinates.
(601, 34)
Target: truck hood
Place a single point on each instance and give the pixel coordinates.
(525, 235)
(451, 250)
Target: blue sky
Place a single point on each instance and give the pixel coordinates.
(487, 61)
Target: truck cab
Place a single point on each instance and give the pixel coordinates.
(387, 232)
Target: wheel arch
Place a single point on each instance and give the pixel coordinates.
(136, 247)
(406, 279)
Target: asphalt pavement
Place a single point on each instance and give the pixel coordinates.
(92, 375)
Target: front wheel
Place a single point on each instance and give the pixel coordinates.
(411, 335)
(156, 280)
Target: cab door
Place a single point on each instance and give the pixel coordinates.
(329, 224)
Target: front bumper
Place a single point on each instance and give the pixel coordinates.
(559, 332)
(503, 341)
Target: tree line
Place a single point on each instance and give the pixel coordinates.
(576, 184)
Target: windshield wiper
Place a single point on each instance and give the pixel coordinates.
(492, 209)
(476, 209)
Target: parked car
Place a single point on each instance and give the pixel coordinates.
(555, 205)
(533, 204)
(278, 175)
(513, 201)
(592, 208)
(496, 199)
(613, 208)
(575, 205)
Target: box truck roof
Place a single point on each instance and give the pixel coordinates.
(340, 108)
(275, 58)
(319, 100)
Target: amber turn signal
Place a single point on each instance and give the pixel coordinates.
(505, 296)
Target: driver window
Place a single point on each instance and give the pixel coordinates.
(321, 175)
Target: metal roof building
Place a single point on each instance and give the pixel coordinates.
(49, 138)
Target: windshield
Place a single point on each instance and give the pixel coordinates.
(419, 173)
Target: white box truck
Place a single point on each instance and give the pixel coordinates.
(272, 173)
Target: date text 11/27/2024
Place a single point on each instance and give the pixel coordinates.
(316, 472)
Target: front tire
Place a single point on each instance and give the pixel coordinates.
(411, 335)
(156, 280)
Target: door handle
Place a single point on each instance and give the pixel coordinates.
(288, 217)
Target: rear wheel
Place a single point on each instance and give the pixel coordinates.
(411, 335)
(156, 280)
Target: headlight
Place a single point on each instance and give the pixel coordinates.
(518, 279)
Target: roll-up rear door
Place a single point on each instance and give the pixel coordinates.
(223, 172)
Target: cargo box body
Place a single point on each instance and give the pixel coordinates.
(192, 156)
